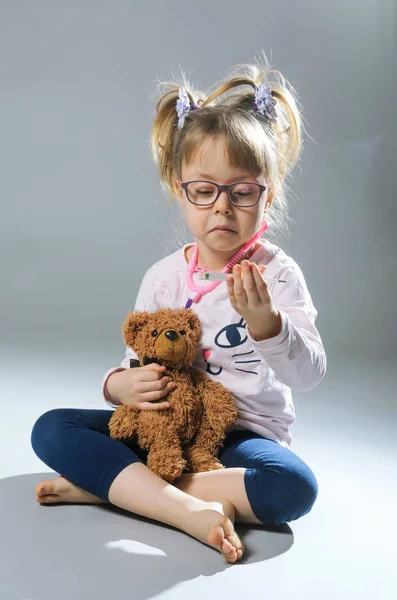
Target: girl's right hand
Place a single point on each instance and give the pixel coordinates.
(141, 387)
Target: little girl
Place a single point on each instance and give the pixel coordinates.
(225, 158)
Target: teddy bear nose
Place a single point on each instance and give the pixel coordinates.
(171, 334)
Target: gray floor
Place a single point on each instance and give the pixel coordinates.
(343, 549)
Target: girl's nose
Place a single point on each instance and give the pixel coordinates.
(223, 202)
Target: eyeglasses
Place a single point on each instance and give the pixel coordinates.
(205, 193)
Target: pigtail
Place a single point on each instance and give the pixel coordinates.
(165, 132)
(288, 130)
(288, 125)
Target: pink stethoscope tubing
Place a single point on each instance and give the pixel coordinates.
(201, 290)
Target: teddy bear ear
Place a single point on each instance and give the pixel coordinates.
(193, 320)
(134, 321)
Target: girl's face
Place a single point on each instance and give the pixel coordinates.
(217, 247)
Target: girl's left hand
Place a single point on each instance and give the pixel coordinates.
(250, 297)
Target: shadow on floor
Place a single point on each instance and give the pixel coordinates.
(69, 551)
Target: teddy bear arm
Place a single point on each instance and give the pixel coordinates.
(123, 423)
(207, 438)
(219, 406)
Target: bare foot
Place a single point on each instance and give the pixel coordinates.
(52, 491)
(214, 525)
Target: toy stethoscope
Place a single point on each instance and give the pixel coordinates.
(193, 268)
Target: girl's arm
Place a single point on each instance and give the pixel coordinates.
(149, 298)
(296, 354)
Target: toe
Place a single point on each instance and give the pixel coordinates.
(227, 547)
(218, 540)
(41, 489)
(229, 551)
(235, 541)
(47, 499)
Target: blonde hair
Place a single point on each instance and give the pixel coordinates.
(252, 141)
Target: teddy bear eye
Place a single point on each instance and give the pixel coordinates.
(182, 332)
(154, 333)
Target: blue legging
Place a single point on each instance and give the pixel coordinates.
(76, 444)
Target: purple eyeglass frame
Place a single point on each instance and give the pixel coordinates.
(221, 188)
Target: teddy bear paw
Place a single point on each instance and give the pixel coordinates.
(123, 422)
(200, 461)
(168, 467)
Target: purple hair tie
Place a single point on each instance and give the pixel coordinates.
(183, 107)
(264, 102)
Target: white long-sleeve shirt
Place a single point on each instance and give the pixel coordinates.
(260, 374)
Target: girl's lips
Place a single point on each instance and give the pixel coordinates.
(223, 230)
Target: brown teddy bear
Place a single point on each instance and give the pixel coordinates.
(188, 435)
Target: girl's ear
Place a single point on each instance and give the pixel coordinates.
(270, 196)
(179, 192)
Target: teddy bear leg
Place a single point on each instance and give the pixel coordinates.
(165, 456)
(201, 456)
(123, 423)
(167, 463)
(200, 460)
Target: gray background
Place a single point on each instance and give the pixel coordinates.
(82, 212)
(82, 218)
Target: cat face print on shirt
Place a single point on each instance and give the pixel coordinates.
(233, 336)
